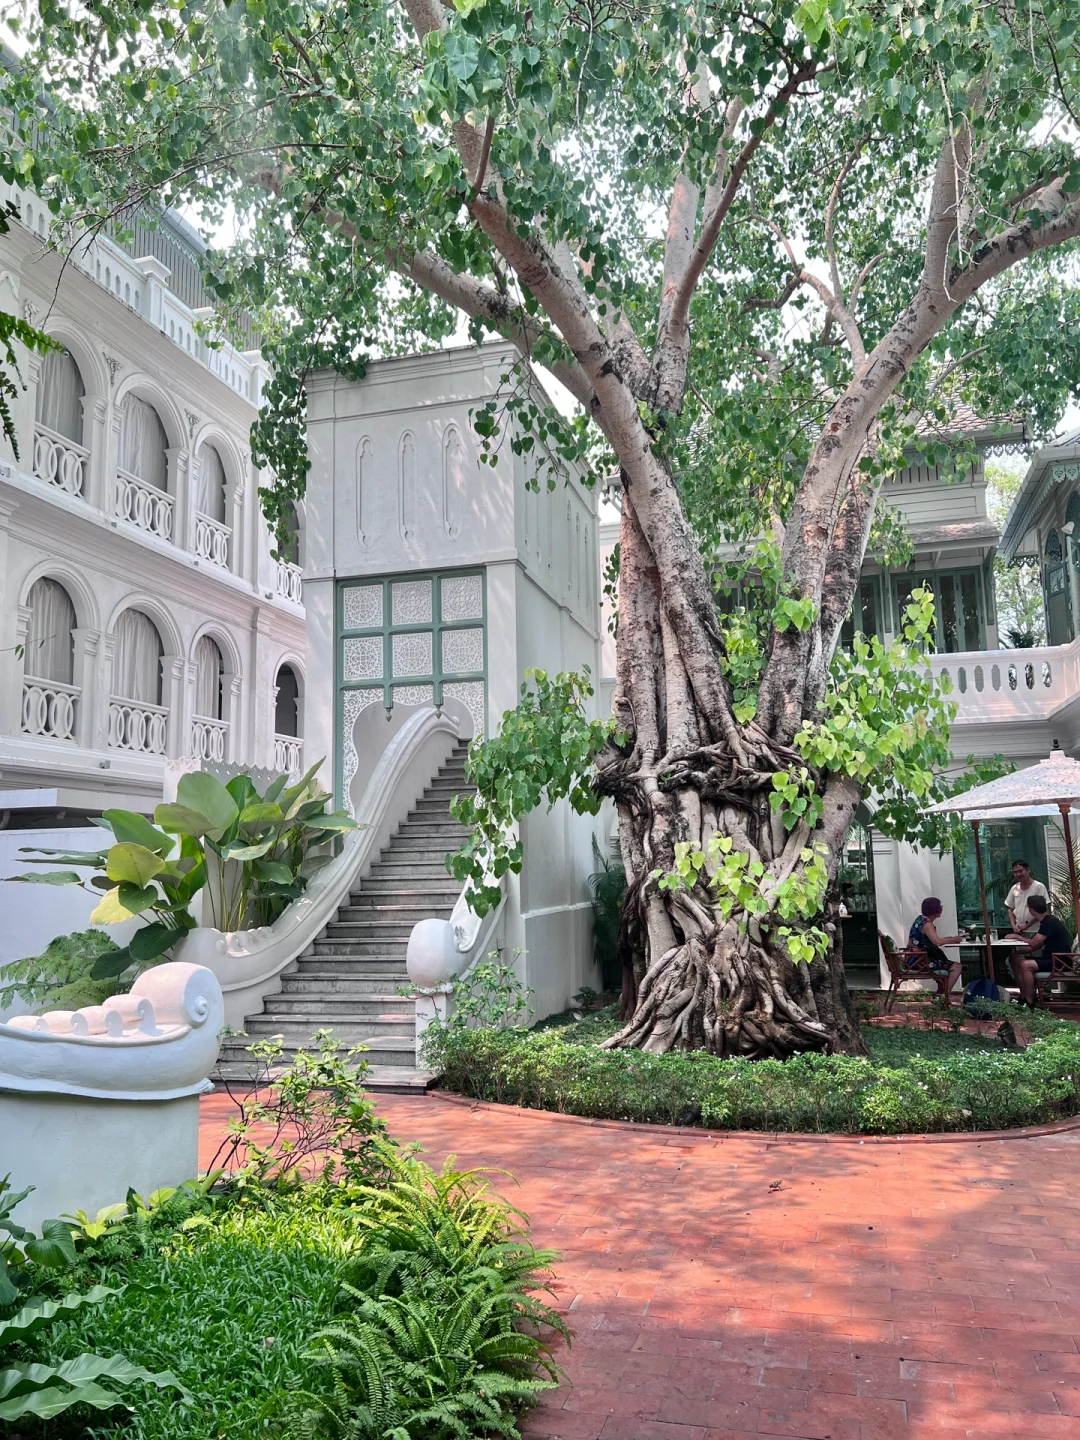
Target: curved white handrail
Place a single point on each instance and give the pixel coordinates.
(158, 1042)
(244, 959)
(441, 952)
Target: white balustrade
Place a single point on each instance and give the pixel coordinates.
(288, 755)
(212, 541)
(48, 708)
(1006, 684)
(134, 725)
(289, 584)
(208, 737)
(143, 505)
(59, 461)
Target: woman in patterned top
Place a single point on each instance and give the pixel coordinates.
(923, 936)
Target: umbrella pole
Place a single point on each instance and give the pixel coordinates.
(1072, 867)
(982, 896)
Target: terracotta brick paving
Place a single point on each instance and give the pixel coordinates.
(727, 1287)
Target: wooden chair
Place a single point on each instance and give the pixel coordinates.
(1064, 970)
(910, 963)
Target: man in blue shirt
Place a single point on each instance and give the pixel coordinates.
(1036, 958)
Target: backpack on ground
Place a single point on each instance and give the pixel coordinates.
(976, 996)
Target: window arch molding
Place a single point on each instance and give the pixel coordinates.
(232, 665)
(144, 388)
(86, 358)
(171, 640)
(233, 462)
(81, 596)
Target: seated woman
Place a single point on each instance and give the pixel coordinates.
(923, 936)
(1049, 940)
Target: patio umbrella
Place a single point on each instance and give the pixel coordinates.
(1051, 785)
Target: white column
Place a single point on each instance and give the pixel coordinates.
(261, 720)
(95, 409)
(174, 695)
(157, 277)
(10, 665)
(182, 491)
(99, 712)
(237, 751)
(85, 674)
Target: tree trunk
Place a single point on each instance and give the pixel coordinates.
(693, 978)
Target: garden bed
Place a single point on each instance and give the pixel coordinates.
(922, 1076)
(328, 1283)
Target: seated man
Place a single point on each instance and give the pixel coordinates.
(923, 936)
(1035, 959)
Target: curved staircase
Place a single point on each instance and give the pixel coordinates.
(348, 981)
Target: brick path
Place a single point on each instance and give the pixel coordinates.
(723, 1288)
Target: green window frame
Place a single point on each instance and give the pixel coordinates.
(959, 603)
(392, 647)
(866, 616)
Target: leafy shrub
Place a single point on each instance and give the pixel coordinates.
(62, 978)
(250, 855)
(490, 996)
(607, 890)
(287, 1116)
(955, 1086)
(439, 1332)
(29, 1388)
(21, 1251)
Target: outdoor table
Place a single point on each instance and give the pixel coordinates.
(976, 950)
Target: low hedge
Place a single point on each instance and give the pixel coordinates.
(989, 1089)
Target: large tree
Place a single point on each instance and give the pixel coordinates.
(766, 245)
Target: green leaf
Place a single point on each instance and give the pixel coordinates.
(39, 1312)
(261, 814)
(66, 857)
(122, 903)
(151, 941)
(238, 850)
(55, 1249)
(181, 819)
(49, 877)
(338, 821)
(206, 795)
(111, 964)
(274, 871)
(133, 863)
(128, 826)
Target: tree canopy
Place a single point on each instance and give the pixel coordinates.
(769, 246)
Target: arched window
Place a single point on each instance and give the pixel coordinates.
(1053, 547)
(208, 675)
(50, 645)
(60, 391)
(286, 707)
(210, 492)
(143, 443)
(137, 659)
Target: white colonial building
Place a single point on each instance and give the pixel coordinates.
(142, 615)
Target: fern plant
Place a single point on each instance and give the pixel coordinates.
(440, 1327)
(62, 978)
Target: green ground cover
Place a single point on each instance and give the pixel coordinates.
(916, 1078)
(373, 1300)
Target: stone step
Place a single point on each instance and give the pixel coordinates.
(336, 1008)
(370, 948)
(420, 909)
(370, 930)
(392, 1050)
(434, 805)
(297, 1030)
(420, 835)
(395, 889)
(363, 987)
(395, 1079)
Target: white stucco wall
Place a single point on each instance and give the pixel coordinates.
(371, 512)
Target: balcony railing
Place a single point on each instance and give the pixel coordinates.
(134, 725)
(1011, 684)
(48, 708)
(59, 461)
(288, 755)
(208, 738)
(212, 541)
(289, 585)
(143, 505)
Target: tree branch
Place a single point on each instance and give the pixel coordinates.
(830, 216)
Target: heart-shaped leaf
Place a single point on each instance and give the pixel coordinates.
(151, 941)
(127, 826)
(133, 863)
(206, 794)
(111, 964)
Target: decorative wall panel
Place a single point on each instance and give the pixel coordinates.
(412, 653)
(353, 705)
(462, 598)
(462, 650)
(362, 658)
(414, 694)
(366, 494)
(363, 607)
(471, 695)
(411, 602)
